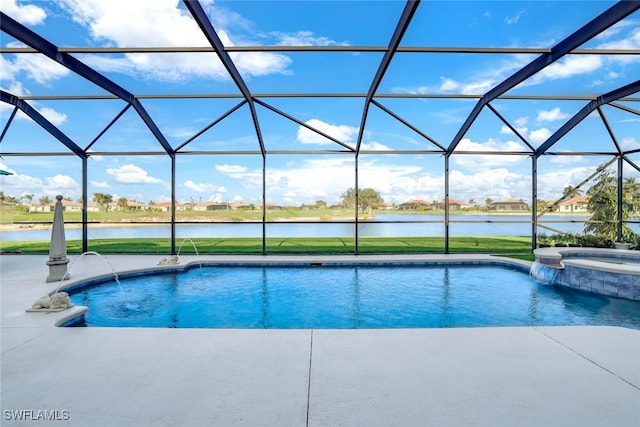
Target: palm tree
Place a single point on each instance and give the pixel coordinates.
(122, 203)
(631, 188)
(571, 191)
(103, 200)
(44, 200)
(603, 205)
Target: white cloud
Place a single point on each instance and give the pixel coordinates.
(520, 124)
(480, 81)
(565, 160)
(131, 174)
(495, 183)
(629, 143)
(61, 182)
(568, 67)
(521, 121)
(7, 71)
(448, 85)
(163, 23)
(550, 184)
(506, 130)
(100, 184)
(552, 115)
(203, 187)
(28, 14)
(631, 42)
(20, 184)
(39, 68)
(303, 38)
(481, 162)
(616, 29)
(539, 136)
(231, 169)
(217, 197)
(343, 133)
(374, 146)
(511, 20)
(53, 116)
(35, 67)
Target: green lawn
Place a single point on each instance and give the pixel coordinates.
(519, 247)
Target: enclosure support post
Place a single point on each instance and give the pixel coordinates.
(357, 201)
(620, 196)
(446, 203)
(534, 202)
(85, 198)
(173, 205)
(264, 204)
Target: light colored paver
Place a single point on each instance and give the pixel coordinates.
(466, 377)
(161, 377)
(551, 376)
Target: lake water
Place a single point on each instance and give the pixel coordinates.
(397, 225)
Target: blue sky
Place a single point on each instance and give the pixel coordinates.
(293, 179)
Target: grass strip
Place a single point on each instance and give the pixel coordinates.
(498, 245)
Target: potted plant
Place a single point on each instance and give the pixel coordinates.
(543, 241)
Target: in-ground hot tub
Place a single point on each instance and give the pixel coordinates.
(611, 272)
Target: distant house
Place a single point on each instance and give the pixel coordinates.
(210, 206)
(454, 205)
(35, 207)
(133, 206)
(509, 206)
(272, 207)
(578, 204)
(163, 206)
(384, 206)
(166, 206)
(69, 206)
(414, 205)
(236, 206)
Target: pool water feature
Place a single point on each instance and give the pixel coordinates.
(93, 253)
(610, 272)
(543, 273)
(286, 297)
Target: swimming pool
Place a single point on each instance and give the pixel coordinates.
(286, 297)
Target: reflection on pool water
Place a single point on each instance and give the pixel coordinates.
(288, 297)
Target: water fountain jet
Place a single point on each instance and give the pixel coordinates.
(173, 260)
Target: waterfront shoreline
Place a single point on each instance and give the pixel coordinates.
(153, 221)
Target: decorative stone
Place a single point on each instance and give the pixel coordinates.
(58, 250)
(172, 260)
(54, 303)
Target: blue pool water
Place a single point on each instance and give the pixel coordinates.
(346, 297)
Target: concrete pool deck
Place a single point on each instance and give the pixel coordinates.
(524, 376)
